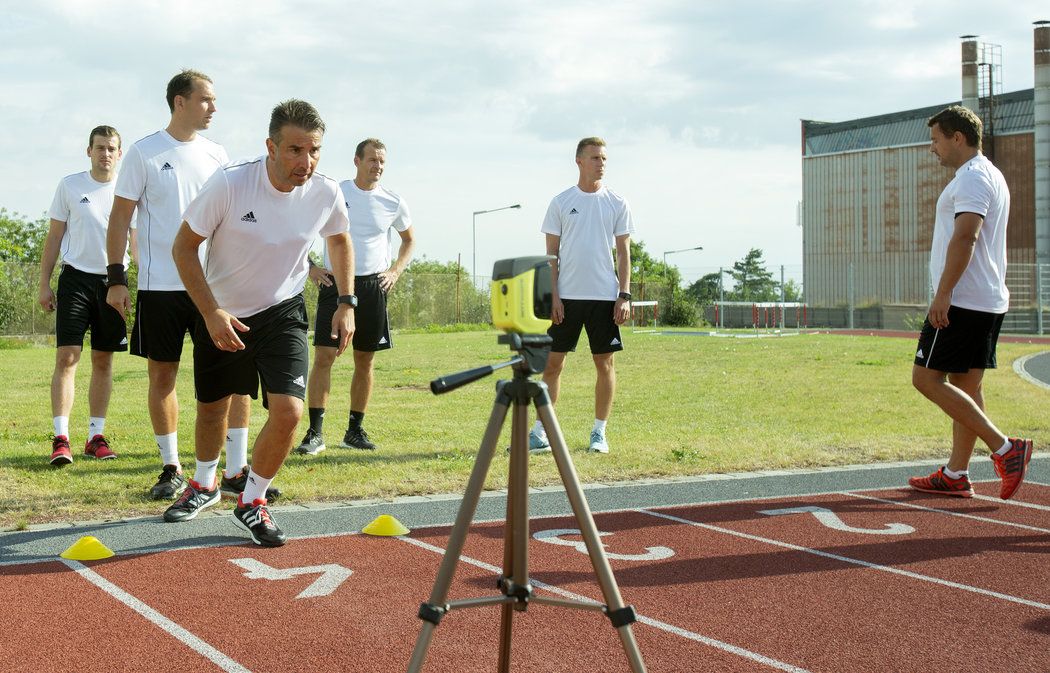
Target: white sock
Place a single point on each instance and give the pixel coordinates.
(169, 448)
(205, 474)
(255, 489)
(61, 426)
(236, 451)
(538, 429)
(951, 474)
(1004, 448)
(599, 426)
(96, 424)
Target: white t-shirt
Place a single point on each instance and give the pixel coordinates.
(83, 203)
(164, 175)
(588, 225)
(372, 214)
(978, 187)
(259, 237)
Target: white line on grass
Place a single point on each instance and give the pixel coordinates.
(648, 621)
(961, 515)
(171, 628)
(853, 561)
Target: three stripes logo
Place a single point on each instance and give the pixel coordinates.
(249, 217)
(85, 200)
(574, 212)
(299, 381)
(167, 167)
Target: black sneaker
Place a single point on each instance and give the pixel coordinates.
(312, 444)
(256, 519)
(357, 438)
(169, 484)
(232, 487)
(194, 498)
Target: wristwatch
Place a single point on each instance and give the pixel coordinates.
(348, 299)
(625, 295)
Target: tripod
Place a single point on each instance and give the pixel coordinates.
(516, 590)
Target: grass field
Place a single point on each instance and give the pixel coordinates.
(685, 405)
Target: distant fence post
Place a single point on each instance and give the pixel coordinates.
(849, 292)
(1039, 299)
(721, 298)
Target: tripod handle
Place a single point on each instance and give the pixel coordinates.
(452, 381)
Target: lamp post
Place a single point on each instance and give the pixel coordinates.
(474, 236)
(671, 252)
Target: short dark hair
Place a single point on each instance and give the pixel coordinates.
(374, 142)
(182, 85)
(294, 112)
(105, 132)
(593, 141)
(958, 118)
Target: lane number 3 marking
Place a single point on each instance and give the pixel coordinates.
(832, 520)
(554, 536)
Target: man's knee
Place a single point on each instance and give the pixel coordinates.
(102, 362)
(926, 380)
(210, 413)
(285, 412)
(604, 364)
(324, 358)
(67, 357)
(162, 375)
(363, 361)
(555, 364)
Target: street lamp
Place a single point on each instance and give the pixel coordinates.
(671, 252)
(474, 235)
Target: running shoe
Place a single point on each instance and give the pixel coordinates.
(255, 518)
(357, 438)
(98, 448)
(232, 487)
(598, 443)
(60, 453)
(312, 444)
(169, 484)
(940, 483)
(194, 499)
(538, 443)
(1011, 466)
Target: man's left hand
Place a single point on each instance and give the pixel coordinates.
(342, 327)
(388, 278)
(621, 311)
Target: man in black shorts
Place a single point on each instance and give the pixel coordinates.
(374, 210)
(582, 226)
(79, 217)
(958, 339)
(259, 218)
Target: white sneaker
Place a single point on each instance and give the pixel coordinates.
(538, 443)
(598, 443)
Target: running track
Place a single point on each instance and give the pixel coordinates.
(850, 581)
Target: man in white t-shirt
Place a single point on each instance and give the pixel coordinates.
(162, 173)
(79, 217)
(260, 219)
(582, 226)
(374, 211)
(968, 274)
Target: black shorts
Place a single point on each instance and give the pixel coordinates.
(371, 323)
(275, 351)
(597, 316)
(162, 318)
(968, 342)
(82, 306)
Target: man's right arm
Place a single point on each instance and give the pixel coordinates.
(47, 263)
(557, 308)
(222, 327)
(120, 215)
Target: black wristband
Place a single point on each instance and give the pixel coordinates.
(116, 275)
(348, 300)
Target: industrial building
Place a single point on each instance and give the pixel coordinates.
(870, 187)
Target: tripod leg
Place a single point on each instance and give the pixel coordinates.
(582, 511)
(458, 535)
(516, 532)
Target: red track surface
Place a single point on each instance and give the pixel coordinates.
(949, 585)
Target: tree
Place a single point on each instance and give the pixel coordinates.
(21, 239)
(752, 282)
(792, 291)
(704, 291)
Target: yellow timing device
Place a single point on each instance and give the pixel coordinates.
(522, 294)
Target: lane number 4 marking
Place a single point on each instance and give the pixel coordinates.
(832, 520)
(554, 536)
(332, 575)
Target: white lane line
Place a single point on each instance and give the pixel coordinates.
(1019, 369)
(648, 621)
(853, 561)
(961, 515)
(171, 628)
(1014, 503)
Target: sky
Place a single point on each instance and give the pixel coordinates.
(481, 102)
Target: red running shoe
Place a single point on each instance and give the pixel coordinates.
(60, 453)
(1011, 466)
(940, 483)
(98, 447)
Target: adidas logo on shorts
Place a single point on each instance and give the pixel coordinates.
(614, 342)
(167, 167)
(249, 217)
(919, 354)
(124, 341)
(299, 381)
(382, 340)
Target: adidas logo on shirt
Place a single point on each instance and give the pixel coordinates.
(85, 200)
(298, 380)
(167, 167)
(614, 342)
(249, 217)
(574, 212)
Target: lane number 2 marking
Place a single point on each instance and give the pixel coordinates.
(554, 536)
(332, 575)
(832, 520)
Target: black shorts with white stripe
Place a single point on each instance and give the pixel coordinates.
(371, 322)
(968, 342)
